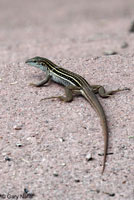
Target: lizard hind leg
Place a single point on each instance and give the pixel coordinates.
(67, 98)
(69, 92)
(103, 93)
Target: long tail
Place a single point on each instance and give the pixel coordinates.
(105, 131)
(92, 99)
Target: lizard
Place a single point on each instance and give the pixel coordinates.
(74, 84)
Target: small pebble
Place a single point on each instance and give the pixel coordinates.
(17, 127)
(63, 164)
(18, 145)
(88, 157)
(131, 30)
(55, 174)
(101, 154)
(7, 159)
(77, 180)
(26, 190)
(108, 53)
(110, 194)
(14, 83)
(62, 139)
(124, 45)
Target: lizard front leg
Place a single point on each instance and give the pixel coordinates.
(44, 81)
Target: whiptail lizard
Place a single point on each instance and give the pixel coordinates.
(74, 85)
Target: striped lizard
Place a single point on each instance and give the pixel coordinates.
(74, 85)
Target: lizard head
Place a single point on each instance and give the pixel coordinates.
(38, 62)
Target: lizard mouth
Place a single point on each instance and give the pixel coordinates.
(28, 61)
(33, 60)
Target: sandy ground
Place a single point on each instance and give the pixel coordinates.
(44, 144)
